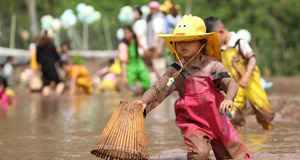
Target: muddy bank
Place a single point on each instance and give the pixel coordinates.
(284, 86)
(284, 97)
(287, 108)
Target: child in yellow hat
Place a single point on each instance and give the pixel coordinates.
(201, 107)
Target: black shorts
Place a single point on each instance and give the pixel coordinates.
(49, 76)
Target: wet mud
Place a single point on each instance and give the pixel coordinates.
(68, 127)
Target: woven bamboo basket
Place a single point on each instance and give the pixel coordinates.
(124, 135)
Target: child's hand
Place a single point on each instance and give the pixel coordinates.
(142, 103)
(225, 106)
(244, 81)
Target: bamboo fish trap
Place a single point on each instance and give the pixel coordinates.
(124, 135)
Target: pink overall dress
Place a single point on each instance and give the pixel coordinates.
(201, 124)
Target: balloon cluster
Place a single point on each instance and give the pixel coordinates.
(126, 13)
(126, 16)
(68, 18)
(87, 13)
(48, 22)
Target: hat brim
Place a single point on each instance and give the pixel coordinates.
(172, 37)
(212, 47)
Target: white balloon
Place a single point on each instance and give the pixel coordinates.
(80, 6)
(68, 11)
(56, 24)
(245, 34)
(122, 17)
(145, 10)
(96, 15)
(90, 19)
(130, 18)
(80, 17)
(87, 11)
(126, 10)
(72, 20)
(46, 19)
(120, 34)
(68, 18)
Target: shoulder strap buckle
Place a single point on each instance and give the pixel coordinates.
(220, 75)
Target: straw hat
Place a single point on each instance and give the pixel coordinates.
(191, 28)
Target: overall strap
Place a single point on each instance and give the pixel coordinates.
(237, 43)
(220, 75)
(178, 67)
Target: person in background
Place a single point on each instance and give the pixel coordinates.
(64, 50)
(47, 57)
(155, 26)
(8, 71)
(135, 74)
(80, 78)
(7, 95)
(172, 18)
(140, 29)
(201, 108)
(32, 50)
(32, 77)
(108, 77)
(240, 61)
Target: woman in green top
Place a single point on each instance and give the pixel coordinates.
(135, 74)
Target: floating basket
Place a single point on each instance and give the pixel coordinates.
(124, 136)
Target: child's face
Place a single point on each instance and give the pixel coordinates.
(188, 48)
(128, 35)
(222, 33)
(136, 14)
(65, 48)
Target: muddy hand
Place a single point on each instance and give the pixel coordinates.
(225, 106)
(244, 82)
(142, 103)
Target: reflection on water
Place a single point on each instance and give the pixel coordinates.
(67, 128)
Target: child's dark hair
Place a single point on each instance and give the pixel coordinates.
(138, 8)
(3, 82)
(9, 58)
(66, 43)
(135, 38)
(212, 23)
(111, 61)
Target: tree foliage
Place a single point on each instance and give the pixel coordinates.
(274, 25)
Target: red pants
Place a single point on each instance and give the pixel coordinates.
(201, 125)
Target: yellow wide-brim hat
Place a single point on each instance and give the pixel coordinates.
(191, 28)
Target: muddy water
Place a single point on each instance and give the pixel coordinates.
(67, 128)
